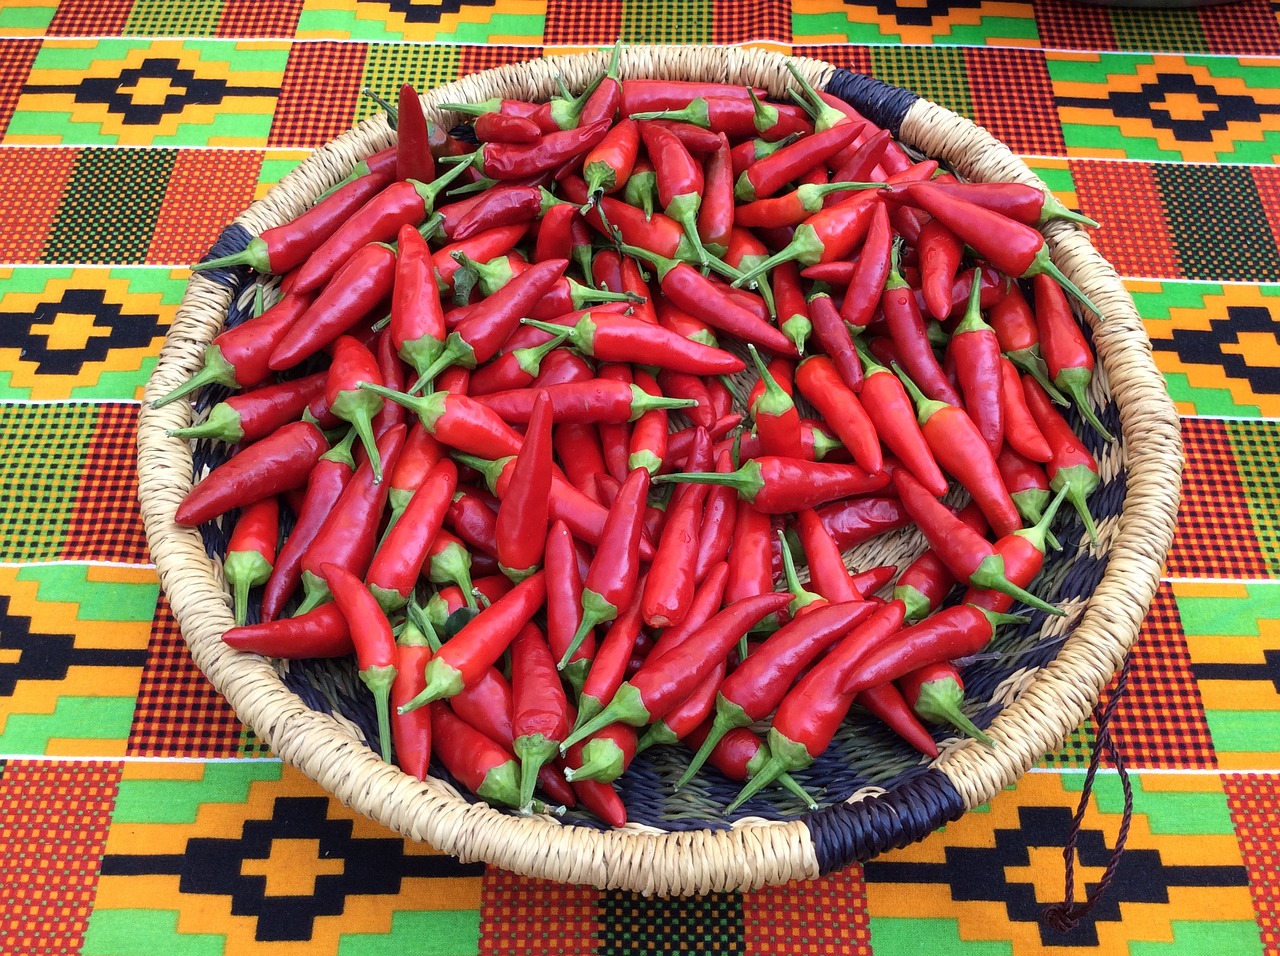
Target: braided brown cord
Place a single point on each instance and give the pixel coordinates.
(753, 852)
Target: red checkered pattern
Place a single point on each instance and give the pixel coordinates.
(1242, 28)
(804, 909)
(1065, 25)
(1013, 98)
(566, 23)
(253, 18)
(53, 827)
(105, 524)
(520, 916)
(1134, 236)
(179, 714)
(318, 95)
(207, 189)
(40, 177)
(475, 58)
(1253, 799)
(77, 18)
(1215, 535)
(16, 57)
(751, 20)
(854, 58)
(1267, 180)
(1160, 722)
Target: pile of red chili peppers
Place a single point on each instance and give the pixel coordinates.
(498, 396)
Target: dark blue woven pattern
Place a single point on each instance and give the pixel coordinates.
(883, 104)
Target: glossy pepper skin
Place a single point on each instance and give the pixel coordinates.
(399, 560)
(524, 512)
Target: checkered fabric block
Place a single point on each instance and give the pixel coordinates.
(206, 191)
(73, 641)
(1253, 799)
(1255, 444)
(90, 18)
(317, 97)
(1250, 28)
(856, 59)
(1236, 29)
(1266, 179)
(104, 524)
(1223, 226)
(179, 714)
(54, 817)
(980, 23)
(41, 177)
(1167, 107)
(1215, 345)
(387, 66)
(16, 59)
(827, 915)
(1216, 535)
(937, 73)
(980, 885)
(1013, 99)
(251, 18)
(565, 24)
(457, 21)
(521, 916)
(1075, 752)
(249, 856)
(162, 19)
(96, 333)
(150, 93)
(746, 20)
(1134, 234)
(479, 57)
(1065, 25)
(1233, 637)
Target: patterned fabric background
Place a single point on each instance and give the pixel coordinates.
(139, 816)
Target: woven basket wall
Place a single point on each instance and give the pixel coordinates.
(876, 793)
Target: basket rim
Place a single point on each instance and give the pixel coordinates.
(753, 852)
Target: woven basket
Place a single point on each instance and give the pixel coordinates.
(877, 794)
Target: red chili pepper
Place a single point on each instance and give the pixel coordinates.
(1023, 554)
(321, 633)
(600, 798)
(349, 534)
(237, 358)
(680, 180)
(793, 208)
(478, 337)
(459, 422)
(1012, 247)
(640, 96)
(488, 245)
(687, 716)
(939, 252)
(610, 584)
(268, 467)
(1066, 351)
(827, 571)
(766, 176)
(503, 205)
(358, 290)
(564, 604)
(887, 703)
(505, 128)
(287, 246)
(1072, 466)
(523, 515)
(251, 551)
(478, 763)
(857, 520)
(247, 416)
(907, 330)
(621, 274)
(873, 579)
(976, 353)
(792, 308)
(413, 147)
(662, 683)
(656, 232)
(671, 583)
(354, 365)
(506, 161)
(609, 663)
(411, 733)
(474, 521)
(1015, 326)
(540, 719)
(967, 555)
(609, 164)
(619, 338)
(374, 640)
(831, 234)
(927, 581)
(605, 756)
(753, 150)
(598, 400)
(1027, 483)
(406, 547)
(776, 485)
(325, 483)
(578, 448)
(871, 272)
(1021, 433)
(740, 755)
(1027, 204)
(514, 369)
(693, 389)
(820, 382)
(716, 213)
(648, 445)
(751, 568)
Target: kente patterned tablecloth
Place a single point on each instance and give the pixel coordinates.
(138, 816)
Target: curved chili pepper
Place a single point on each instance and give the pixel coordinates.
(598, 400)
(857, 520)
(609, 165)
(238, 357)
(1011, 247)
(247, 416)
(478, 763)
(864, 290)
(1072, 466)
(610, 584)
(776, 485)
(411, 733)
(399, 560)
(1021, 433)
(1015, 326)
(820, 382)
(505, 128)
(828, 235)
(503, 205)
(672, 582)
(680, 180)
(325, 483)
(967, 555)
(766, 176)
(609, 663)
(287, 246)
(472, 518)
(827, 571)
(716, 213)
(688, 715)
(353, 365)
(662, 683)
(693, 389)
(1027, 483)
(540, 717)
(698, 141)
(907, 330)
(718, 523)
(268, 467)
(873, 579)
(976, 352)
(564, 604)
(1027, 204)
(619, 338)
(478, 337)
(939, 252)
(505, 161)
(459, 422)
(927, 580)
(321, 633)
(936, 693)
(886, 702)
(348, 536)
(792, 308)
(1066, 351)
(578, 448)
(1023, 553)
(514, 369)
(413, 148)
(374, 641)
(523, 515)
(751, 568)
(251, 551)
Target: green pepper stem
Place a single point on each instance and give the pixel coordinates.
(595, 610)
(926, 407)
(1054, 209)
(378, 680)
(1044, 265)
(990, 574)
(1074, 381)
(534, 751)
(728, 717)
(392, 111)
(626, 707)
(216, 371)
(940, 701)
(255, 255)
(747, 481)
(442, 680)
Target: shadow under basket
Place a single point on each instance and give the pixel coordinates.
(1038, 682)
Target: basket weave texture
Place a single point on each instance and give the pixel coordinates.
(1049, 675)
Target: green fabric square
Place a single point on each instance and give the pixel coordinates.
(40, 477)
(163, 18)
(630, 921)
(1256, 445)
(1075, 752)
(1174, 30)
(937, 73)
(666, 21)
(387, 66)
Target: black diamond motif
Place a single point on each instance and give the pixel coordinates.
(128, 330)
(1200, 347)
(48, 656)
(186, 89)
(416, 11)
